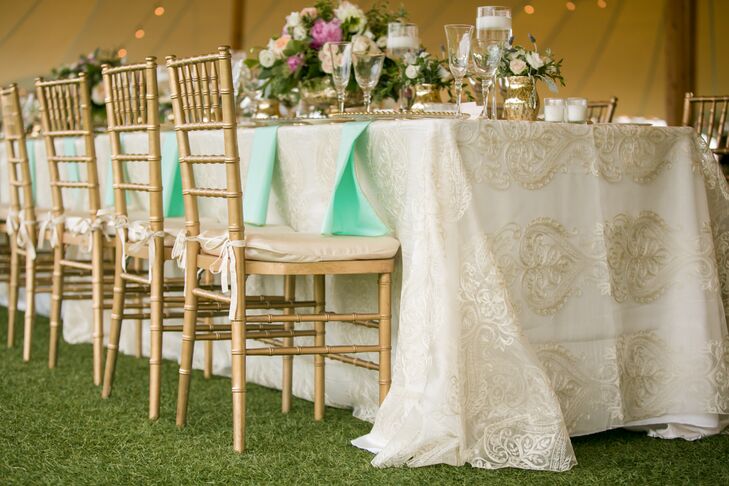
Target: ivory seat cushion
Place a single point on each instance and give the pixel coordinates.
(278, 243)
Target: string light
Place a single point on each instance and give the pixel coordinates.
(571, 6)
(139, 33)
(159, 11)
(529, 9)
(601, 3)
(121, 52)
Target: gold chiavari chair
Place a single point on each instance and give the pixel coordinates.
(602, 111)
(202, 99)
(708, 116)
(132, 106)
(65, 111)
(22, 228)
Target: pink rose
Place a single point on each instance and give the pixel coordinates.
(310, 12)
(295, 62)
(281, 43)
(323, 32)
(325, 57)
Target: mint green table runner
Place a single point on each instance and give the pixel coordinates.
(350, 213)
(171, 178)
(259, 175)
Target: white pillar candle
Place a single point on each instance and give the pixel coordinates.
(554, 113)
(493, 22)
(576, 112)
(402, 42)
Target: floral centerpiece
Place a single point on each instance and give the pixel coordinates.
(522, 68)
(426, 75)
(299, 61)
(91, 65)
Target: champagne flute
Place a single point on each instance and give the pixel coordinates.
(341, 53)
(486, 58)
(493, 24)
(402, 43)
(367, 70)
(459, 51)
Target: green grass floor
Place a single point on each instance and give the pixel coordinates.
(54, 429)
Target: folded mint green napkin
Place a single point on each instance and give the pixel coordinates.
(171, 177)
(260, 173)
(69, 150)
(349, 211)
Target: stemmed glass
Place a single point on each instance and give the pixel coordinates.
(459, 50)
(486, 58)
(493, 27)
(367, 70)
(341, 53)
(402, 43)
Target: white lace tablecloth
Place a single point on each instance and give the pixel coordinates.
(556, 280)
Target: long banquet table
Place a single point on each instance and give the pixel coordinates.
(556, 280)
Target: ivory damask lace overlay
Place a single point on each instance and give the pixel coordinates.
(629, 258)
(634, 377)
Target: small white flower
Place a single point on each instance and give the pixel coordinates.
(423, 54)
(300, 32)
(412, 71)
(266, 58)
(410, 58)
(517, 66)
(293, 19)
(534, 60)
(368, 33)
(382, 42)
(445, 75)
(98, 93)
(325, 57)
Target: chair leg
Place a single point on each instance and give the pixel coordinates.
(207, 279)
(385, 298)
(138, 322)
(238, 357)
(155, 328)
(97, 285)
(29, 293)
(13, 285)
(117, 311)
(188, 338)
(319, 340)
(55, 317)
(288, 360)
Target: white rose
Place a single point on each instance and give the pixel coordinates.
(325, 57)
(412, 71)
(293, 19)
(347, 11)
(445, 75)
(534, 60)
(266, 58)
(300, 32)
(98, 93)
(517, 66)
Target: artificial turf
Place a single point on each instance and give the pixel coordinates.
(54, 429)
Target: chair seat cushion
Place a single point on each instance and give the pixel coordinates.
(278, 243)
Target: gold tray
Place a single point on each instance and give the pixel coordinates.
(397, 115)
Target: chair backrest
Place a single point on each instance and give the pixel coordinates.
(202, 99)
(132, 105)
(601, 111)
(21, 191)
(708, 116)
(65, 111)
